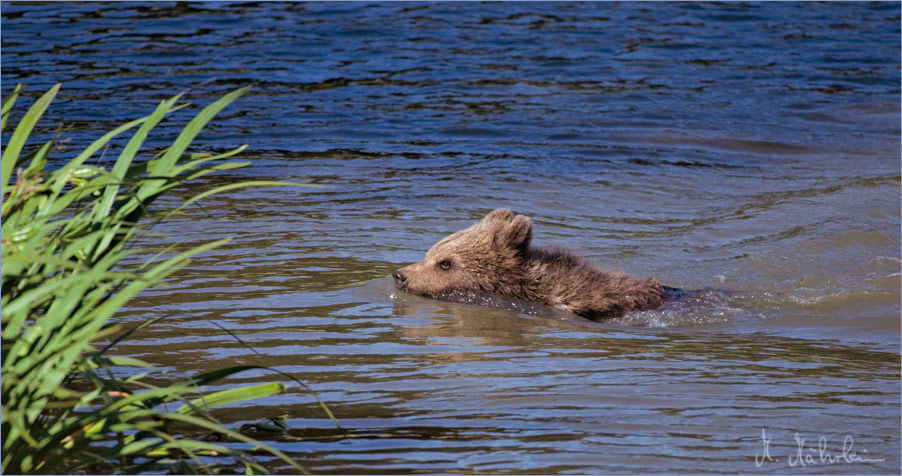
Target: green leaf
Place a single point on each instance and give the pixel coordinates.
(10, 155)
(131, 149)
(65, 406)
(8, 103)
(233, 395)
(63, 176)
(184, 139)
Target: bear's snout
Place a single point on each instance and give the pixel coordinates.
(400, 278)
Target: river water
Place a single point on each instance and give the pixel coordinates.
(749, 148)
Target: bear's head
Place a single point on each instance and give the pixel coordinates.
(487, 256)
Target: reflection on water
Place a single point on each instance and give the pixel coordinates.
(751, 150)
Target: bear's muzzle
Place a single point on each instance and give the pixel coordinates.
(400, 279)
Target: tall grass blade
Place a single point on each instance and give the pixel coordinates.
(128, 154)
(66, 406)
(232, 395)
(8, 103)
(10, 155)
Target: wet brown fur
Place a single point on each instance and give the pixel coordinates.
(494, 256)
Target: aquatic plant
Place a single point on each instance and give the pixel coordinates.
(67, 405)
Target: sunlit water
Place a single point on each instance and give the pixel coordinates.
(749, 149)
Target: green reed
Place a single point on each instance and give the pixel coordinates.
(65, 405)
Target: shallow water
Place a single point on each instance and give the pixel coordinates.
(748, 148)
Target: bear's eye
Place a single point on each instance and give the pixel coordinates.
(445, 264)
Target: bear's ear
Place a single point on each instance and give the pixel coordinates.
(516, 234)
(499, 216)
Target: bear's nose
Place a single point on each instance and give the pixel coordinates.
(399, 277)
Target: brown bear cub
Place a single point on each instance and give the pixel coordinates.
(494, 256)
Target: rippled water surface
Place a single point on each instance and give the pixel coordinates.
(748, 148)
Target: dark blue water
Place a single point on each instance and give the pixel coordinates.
(749, 147)
(383, 77)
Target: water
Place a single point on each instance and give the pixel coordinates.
(749, 148)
